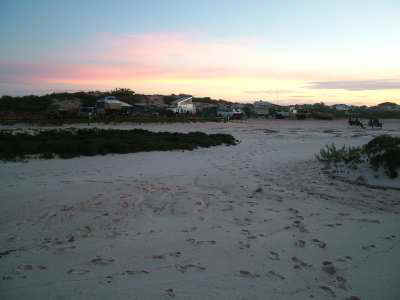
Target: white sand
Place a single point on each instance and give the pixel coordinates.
(252, 221)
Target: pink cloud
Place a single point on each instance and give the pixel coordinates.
(108, 60)
(138, 57)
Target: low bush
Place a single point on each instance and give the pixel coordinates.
(68, 143)
(351, 156)
(57, 121)
(382, 151)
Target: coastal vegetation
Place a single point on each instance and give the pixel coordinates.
(113, 119)
(65, 107)
(68, 143)
(381, 152)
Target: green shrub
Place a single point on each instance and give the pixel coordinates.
(382, 151)
(351, 156)
(68, 143)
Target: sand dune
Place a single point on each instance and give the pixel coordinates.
(260, 220)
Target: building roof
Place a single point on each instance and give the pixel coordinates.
(261, 103)
(113, 100)
(181, 100)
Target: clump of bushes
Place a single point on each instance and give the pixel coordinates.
(382, 151)
(351, 156)
(47, 120)
(68, 143)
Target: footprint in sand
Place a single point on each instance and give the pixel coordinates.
(273, 255)
(130, 272)
(244, 222)
(299, 264)
(293, 210)
(390, 237)
(191, 229)
(365, 220)
(228, 208)
(319, 243)
(341, 283)
(333, 225)
(328, 267)
(300, 243)
(368, 247)
(185, 268)
(25, 267)
(175, 254)
(100, 261)
(170, 293)
(77, 271)
(248, 274)
(274, 275)
(328, 290)
(344, 259)
(252, 203)
(243, 245)
(300, 225)
(194, 242)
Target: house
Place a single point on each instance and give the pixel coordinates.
(388, 106)
(87, 110)
(201, 106)
(183, 105)
(263, 103)
(341, 107)
(155, 100)
(67, 105)
(262, 108)
(111, 104)
(293, 111)
(229, 112)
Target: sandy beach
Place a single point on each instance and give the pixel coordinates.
(259, 220)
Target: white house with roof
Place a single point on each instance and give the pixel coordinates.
(262, 108)
(111, 103)
(183, 105)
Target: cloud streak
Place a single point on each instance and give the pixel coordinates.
(153, 56)
(271, 91)
(240, 69)
(357, 85)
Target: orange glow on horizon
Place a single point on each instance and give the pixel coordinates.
(237, 71)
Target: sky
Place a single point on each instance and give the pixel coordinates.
(284, 51)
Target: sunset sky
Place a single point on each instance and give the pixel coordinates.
(286, 51)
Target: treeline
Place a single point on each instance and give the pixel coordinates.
(31, 103)
(325, 112)
(208, 100)
(34, 104)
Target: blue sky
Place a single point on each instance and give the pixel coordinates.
(36, 32)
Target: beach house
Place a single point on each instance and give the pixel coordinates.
(183, 105)
(111, 104)
(262, 108)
